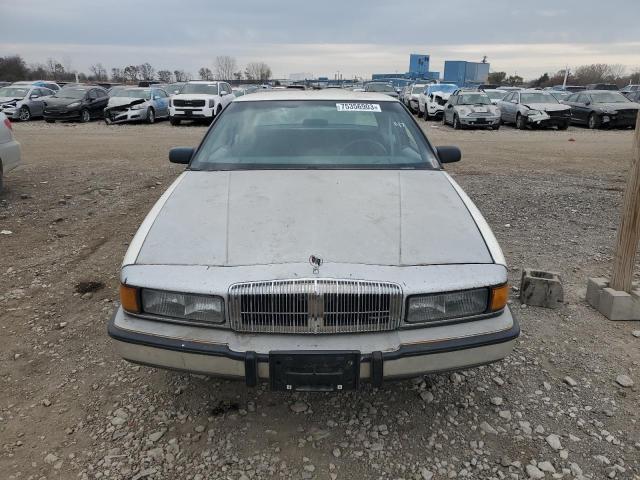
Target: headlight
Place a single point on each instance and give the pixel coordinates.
(446, 306)
(73, 105)
(138, 106)
(200, 308)
(610, 112)
(463, 111)
(534, 112)
(212, 103)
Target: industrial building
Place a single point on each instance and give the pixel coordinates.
(465, 74)
(418, 70)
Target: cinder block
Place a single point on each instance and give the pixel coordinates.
(541, 289)
(613, 304)
(594, 287)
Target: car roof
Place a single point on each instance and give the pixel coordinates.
(325, 94)
(204, 82)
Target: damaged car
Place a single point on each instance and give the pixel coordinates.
(314, 242)
(137, 105)
(535, 108)
(432, 100)
(23, 102)
(602, 108)
(471, 109)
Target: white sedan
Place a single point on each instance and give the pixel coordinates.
(9, 148)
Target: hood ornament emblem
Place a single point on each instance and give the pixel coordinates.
(315, 261)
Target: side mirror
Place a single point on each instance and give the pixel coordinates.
(222, 94)
(181, 155)
(449, 154)
(34, 96)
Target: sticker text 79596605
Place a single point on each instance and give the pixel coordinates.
(358, 107)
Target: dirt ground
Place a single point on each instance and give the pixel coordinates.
(69, 408)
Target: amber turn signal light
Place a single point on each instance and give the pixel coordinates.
(499, 297)
(130, 298)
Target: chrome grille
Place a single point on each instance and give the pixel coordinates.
(315, 306)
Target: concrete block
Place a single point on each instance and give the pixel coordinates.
(541, 289)
(613, 304)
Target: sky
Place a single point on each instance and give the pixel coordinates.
(326, 37)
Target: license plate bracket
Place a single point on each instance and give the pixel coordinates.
(323, 371)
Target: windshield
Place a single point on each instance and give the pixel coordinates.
(537, 98)
(495, 94)
(608, 97)
(417, 89)
(204, 88)
(13, 92)
(474, 99)
(71, 93)
(444, 88)
(174, 87)
(379, 87)
(146, 94)
(314, 134)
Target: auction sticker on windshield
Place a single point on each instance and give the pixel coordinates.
(358, 107)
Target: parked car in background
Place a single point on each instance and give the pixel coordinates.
(174, 88)
(413, 95)
(599, 108)
(471, 109)
(534, 108)
(113, 91)
(9, 149)
(495, 95)
(23, 102)
(568, 88)
(296, 87)
(136, 105)
(560, 95)
(244, 90)
(40, 83)
(633, 96)
(432, 100)
(630, 88)
(200, 100)
(381, 87)
(602, 86)
(252, 264)
(82, 103)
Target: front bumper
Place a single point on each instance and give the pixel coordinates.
(10, 112)
(617, 121)
(62, 114)
(488, 121)
(123, 116)
(435, 109)
(191, 113)
(383, 355)
(546, 120)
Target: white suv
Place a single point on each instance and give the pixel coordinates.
(199, 100)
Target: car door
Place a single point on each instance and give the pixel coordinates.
(92, 102)
(448, 108)
(507, 108)
(581, 108)
(225, 89)
(35, 102)
(162, 102)
(102, 101)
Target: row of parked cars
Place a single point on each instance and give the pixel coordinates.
(490, 108)
(196, 100)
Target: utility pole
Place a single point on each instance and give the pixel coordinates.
(629, 229)
(566, 76)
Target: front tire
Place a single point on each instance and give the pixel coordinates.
(563, 126)
(593, 122)
(496, 127)
(521, 123)
(174, 121)
(85, 116)
(24, 114)
(456, 122)
(151, 116)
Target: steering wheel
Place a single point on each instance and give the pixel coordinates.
(371, 147)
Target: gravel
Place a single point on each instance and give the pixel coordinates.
(108, 419)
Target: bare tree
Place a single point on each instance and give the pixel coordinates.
(146, 71)
(225, 66)
(131, 73)
(258, 71)
(181, 75)
(98, 71)
(237, 75)
(117, 75)
(205, 73)
(164, 76)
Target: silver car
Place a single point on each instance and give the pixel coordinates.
(23, 102)
(137, 105)
(381, 87)
(471, 109)
(538, 108)
(314, 241)
(9, 148)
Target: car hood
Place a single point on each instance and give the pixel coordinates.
(547, 107)
(60, 102)
(10, 99)
(273, 216)
(119, 101)
(192, 96)
(617, 106)
(442, 95)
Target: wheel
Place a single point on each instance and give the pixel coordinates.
(563, 126)
(594, 121)
(496, 127)
(24, 114)
(49, 120)
(521, 123)
(108, 120)
(151, 116)
(85, 116)
(456, 122)
(444, 119)
(174, 121)
(427, 117)
(420, 112)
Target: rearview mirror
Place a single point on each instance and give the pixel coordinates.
(449, 154)
(181, 155)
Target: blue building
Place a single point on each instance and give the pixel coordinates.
(464, 73)
(418, 65)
